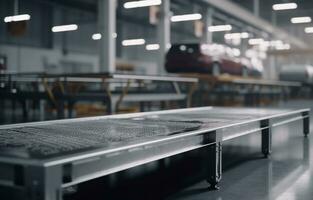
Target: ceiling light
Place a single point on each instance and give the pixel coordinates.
(187, 17)
(298, 20)
(236, 52)
(151, 47)
(219, 28)
(230, 36)
(285, 6)
(96, 36)
(283, 47)
(244, 35)
(16, 18)
(255, 41)
(308, 29)
(62, 28)
(138, 4)
(133, 42)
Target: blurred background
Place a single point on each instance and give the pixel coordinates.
(76, 58)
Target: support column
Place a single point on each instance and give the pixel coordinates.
(266, 137)
(107, 28)
(164, 34)
(43, 183)
(208, 21)
(214, 165)
(256, 8)
(306, 123)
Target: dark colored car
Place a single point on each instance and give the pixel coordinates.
(202, 58)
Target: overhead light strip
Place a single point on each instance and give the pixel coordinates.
(219, 28)
(138, 4)
(187, 17)
(255, 41)
(16, 18)
(298, 20)
(152, 47)
(308, 29)
(285, 6)
(63, 28)
(98, 36)
(133, 42)
(242, 35)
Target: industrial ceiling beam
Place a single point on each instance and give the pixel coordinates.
(248, 17)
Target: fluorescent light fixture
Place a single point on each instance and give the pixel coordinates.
(96, 36)
(308, 29)
(151, 47)
(187, 17)
(283, 47)
(236, 52)
(244, 35)
(230, 36)
(220, 28)
(298, 20)
(138, 4)
(133, 42)
(62, 28)
(16, 18)
(255, 41)
(285, 6)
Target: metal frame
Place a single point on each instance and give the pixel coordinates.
(111, 99)
(45, 179)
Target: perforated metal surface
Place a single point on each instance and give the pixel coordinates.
(55, 139)
(215, 117)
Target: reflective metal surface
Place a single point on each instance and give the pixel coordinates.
(286, 175)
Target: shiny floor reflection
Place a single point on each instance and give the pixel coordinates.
(286, 175)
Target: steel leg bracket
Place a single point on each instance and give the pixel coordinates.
(215, 165)
(266, 137)
(306, 123)
(43, 183)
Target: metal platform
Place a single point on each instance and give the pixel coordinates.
(63, 91)
(40, 159)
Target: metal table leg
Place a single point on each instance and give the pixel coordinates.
(43, 183)
(214, 165)
(266, 138)
(306, 123)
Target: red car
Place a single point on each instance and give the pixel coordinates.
(202, 58)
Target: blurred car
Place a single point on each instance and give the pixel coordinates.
(207, 58)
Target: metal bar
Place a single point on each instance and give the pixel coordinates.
(164, 31)
(306, 123)
(155, 78)
(214, 165)
(266, 137)
(107, 28)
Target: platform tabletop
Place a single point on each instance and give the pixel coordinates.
(57, 138)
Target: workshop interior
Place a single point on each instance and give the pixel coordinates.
(156, 99)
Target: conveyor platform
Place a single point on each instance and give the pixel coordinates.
(40, 159)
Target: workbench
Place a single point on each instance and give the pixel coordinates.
(63, 91)
(41, 159)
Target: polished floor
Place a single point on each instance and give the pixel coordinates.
(286, 175)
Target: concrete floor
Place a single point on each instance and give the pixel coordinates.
(286, 175)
